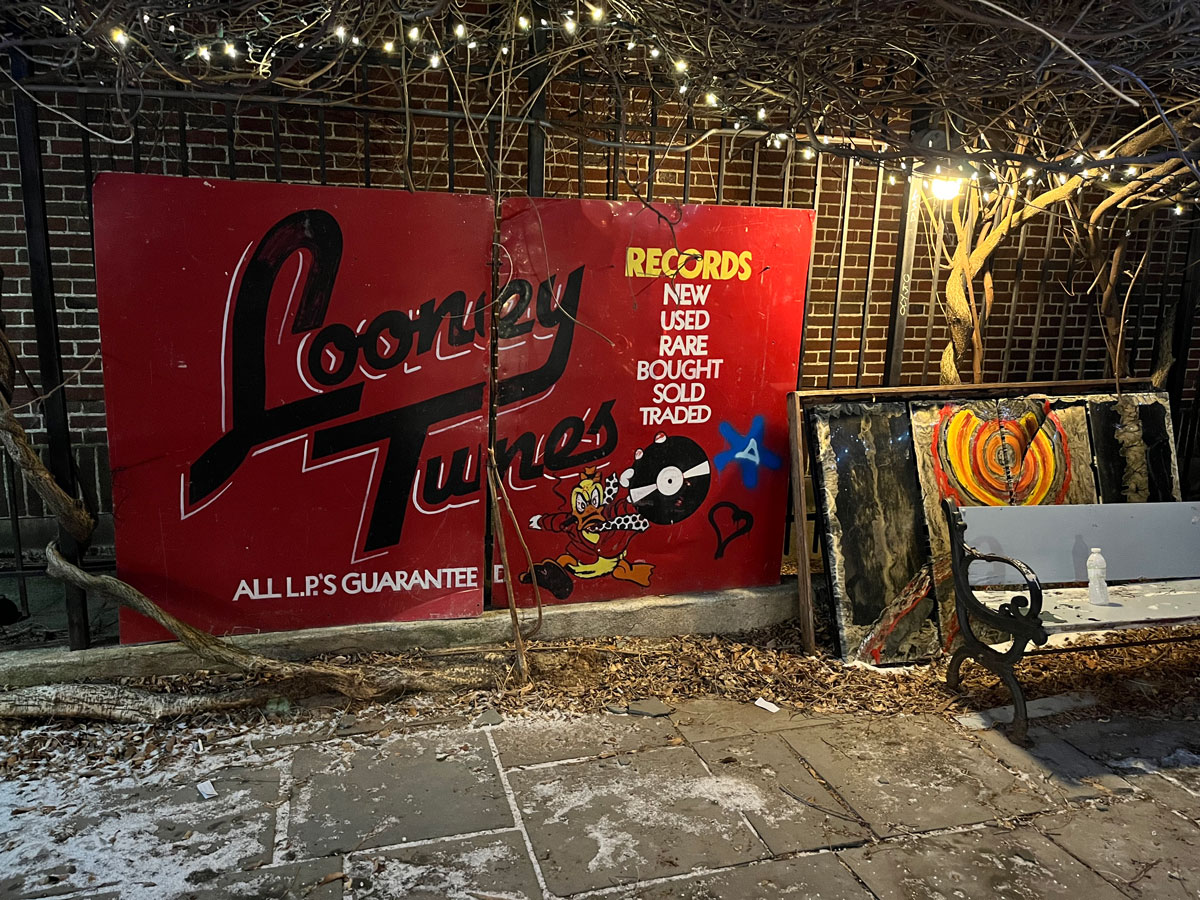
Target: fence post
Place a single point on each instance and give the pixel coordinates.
(45, 318)
(902, 284)
(1185, 319)
(538, 86)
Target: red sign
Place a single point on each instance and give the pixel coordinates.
(655, 462)
(297, 388)
(297, 394)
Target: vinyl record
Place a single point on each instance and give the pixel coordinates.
(669, 479)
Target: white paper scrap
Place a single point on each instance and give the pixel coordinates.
(206, 789)
(767, 705)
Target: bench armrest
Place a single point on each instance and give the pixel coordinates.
(1020, 617)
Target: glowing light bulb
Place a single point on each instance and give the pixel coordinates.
(683, 89)
(1179, 209)
(1131, 171)
(1029, 172)
(597, 13)
(119, 37)
(945, 188)
(655, 52)
(710, 98)
(891, 179)
(1079, 159)
(504, 50)
(775, 143)
(681, 65)
(460, 30)
(354, 40)
(808, 154)
(389, 46)
(631, 45)
(522, 23)
(340, 31)
(435, 60)
(414, 33)
(762, 114)
(230, 50)
(171, 28)
(204, 54)
(471, 45)
(569, 25)
(145, 17)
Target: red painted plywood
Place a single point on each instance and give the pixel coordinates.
(296, 389)
(654, 460)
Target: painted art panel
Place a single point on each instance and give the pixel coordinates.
(649, 454)
(297, 398)
(1008, 452)
(1134, 447)
(869, 497)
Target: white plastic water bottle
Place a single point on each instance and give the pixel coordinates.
(1097, 568)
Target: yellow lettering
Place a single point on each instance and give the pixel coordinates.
(653, 262)
(712, 264)
(669, 267)
(729, 264)
(634, 257)
(694, 265)
(744, 271)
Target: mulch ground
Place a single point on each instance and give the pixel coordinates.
(592, 675)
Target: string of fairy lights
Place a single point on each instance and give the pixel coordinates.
(449, 38)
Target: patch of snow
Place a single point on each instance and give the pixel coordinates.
(613, 847)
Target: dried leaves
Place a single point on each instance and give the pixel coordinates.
(590, 675)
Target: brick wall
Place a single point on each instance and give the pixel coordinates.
(1043, 325)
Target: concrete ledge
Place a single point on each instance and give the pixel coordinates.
(718, 612)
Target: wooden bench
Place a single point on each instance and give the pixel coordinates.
(1153, 556)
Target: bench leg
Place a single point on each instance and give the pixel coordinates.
(954, 670)
(1018, 732)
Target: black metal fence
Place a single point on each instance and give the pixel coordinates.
(873, 302)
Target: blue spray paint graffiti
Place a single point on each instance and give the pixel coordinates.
(747, 450)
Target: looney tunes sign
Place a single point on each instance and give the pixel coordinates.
(299, 409)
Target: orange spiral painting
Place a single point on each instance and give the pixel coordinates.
(985, 455)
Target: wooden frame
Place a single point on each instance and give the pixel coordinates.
(799, 401)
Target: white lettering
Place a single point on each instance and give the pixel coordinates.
(683, 345)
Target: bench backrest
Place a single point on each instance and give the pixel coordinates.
(1140, 541)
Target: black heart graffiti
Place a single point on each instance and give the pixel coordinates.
(740, 521)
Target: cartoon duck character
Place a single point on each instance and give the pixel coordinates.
(599, 526)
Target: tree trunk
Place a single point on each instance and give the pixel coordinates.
(113, 703)
(353, 682)
(70, 512)
(959, 319)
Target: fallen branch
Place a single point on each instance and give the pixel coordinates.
(70, 512)
(114, 703)
(304, 677)
(352, 683)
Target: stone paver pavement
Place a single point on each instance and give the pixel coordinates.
(718, 800)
